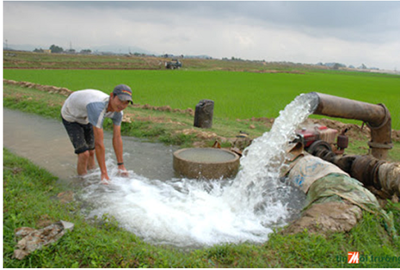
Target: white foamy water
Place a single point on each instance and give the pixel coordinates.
(193, 213)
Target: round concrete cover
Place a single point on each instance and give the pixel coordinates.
(208, 163)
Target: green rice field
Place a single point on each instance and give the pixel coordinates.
(235, 94)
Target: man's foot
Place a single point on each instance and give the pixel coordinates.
(104, 182)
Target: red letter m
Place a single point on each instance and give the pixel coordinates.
(353, 257)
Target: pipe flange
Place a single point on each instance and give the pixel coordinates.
(380, 145)
(375, 174)
(384, 122)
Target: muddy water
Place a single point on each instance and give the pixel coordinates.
(45, 142)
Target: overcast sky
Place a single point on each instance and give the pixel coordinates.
(351, 33)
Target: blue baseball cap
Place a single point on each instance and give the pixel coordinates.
(123, 92)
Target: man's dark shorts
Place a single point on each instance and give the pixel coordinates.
(81, 136)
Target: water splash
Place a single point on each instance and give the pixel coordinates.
(263, 159)
(192, 213)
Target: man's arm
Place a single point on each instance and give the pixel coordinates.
(118, 148)
(100, 151)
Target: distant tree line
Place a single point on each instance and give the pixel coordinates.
(56, 49)
(339, 66)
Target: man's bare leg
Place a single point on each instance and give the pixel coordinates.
(91, 162)
(83, 159)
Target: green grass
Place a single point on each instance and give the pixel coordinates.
(168, 130)
(236, 94)
(30, 194)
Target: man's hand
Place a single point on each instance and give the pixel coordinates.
(105, 179)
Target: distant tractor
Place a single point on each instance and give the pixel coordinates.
(173, 64)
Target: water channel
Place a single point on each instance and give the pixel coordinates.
(160, 207)
(45, 142)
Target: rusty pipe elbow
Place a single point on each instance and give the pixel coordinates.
(376, 116)
(381, 136)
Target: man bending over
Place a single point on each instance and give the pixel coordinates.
(83, 113)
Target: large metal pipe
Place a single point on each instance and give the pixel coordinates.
(382, 175)
(377, 118)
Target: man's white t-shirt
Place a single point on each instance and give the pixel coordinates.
(89, 106)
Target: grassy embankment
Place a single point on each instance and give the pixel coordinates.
(30, 199)
(30, 60)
